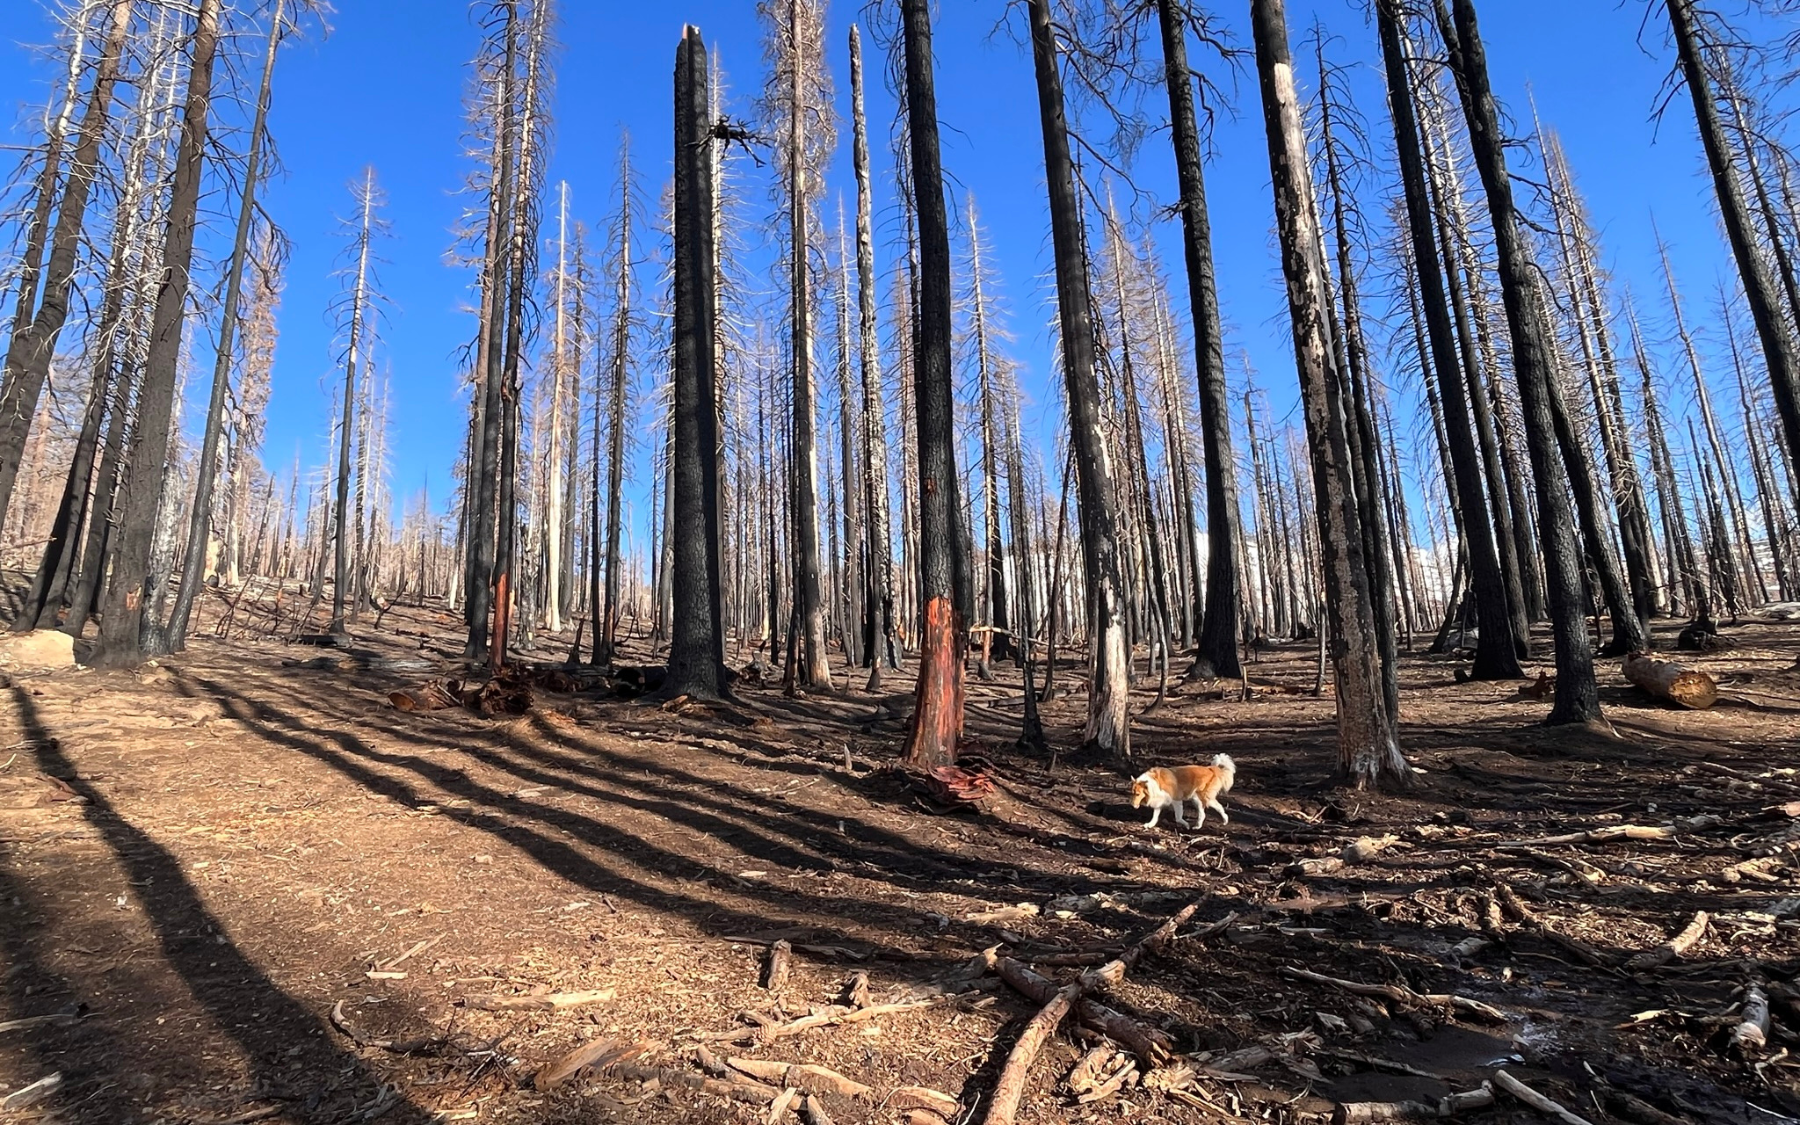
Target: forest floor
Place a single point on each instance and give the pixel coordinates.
(241, 885)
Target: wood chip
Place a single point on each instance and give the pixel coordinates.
(597, 1055)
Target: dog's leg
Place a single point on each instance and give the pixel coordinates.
(1220, 809)
(1199, 808)
(1180, 807)
(1155, 815)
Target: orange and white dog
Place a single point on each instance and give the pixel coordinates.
(1163, 788)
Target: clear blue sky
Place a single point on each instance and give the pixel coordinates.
(386, 86)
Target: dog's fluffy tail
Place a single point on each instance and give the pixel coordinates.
(1224, 762)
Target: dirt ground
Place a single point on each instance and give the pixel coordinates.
(240, 885)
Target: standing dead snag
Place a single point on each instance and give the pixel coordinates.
(1370, 756)
(1218, 623)
(1577, 696)
(127, 635)
(938, 701)
(1496, 655)
(1108, 725)
(29, 351)
(697, 647)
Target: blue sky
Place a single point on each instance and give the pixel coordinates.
(386, 86)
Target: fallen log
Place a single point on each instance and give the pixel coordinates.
(1003, 1105)
(1672, 681)
(1671, 949)
(1403, 994)
(1536, 1100)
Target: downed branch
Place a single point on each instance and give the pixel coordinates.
(1403, 994)
(833, 1016)
(740, 1090)
(1517, 908)
(68, 1015)
(397, 1046)
(1610, 833)
(775, 973)
(801, 1076)
(1752, 1031)
(1672, 681)
(597, 1055)
(1147, 1043)
(1365, 1113)
(1671, 949)
(1003, 1106)
(1536, 1100)
(540, 1002)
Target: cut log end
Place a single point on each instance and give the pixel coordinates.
(1672, 681)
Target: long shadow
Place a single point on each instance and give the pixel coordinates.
(288, 1049)
(506, 818)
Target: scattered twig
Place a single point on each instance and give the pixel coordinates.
(1671, 949)
(1366, 848)
(1147, 1043)
(397, 1046)
(1536, 1100)
(1403, 994)
(413, 952)
(1003, 1106)
(68, 1015)
(1379, 1063)
(1603, 835)
(26, 1095)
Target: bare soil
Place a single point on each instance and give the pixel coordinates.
(202, 860)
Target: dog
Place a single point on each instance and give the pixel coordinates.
(1163, 788)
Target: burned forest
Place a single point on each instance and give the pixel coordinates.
(911, 563)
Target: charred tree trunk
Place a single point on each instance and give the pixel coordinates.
(1497, 650)
(1218, 621)
(1108, 726)
(1577, 695)
(126, 639)
(1759, 288)
(697, 646)
(938, 701)
(1369, 754)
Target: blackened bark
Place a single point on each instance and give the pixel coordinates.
(1577, 695)
(126, 638)
(1108, 726)
(697, 639)
(1497, 646)
(1217, 652)
(938, 701)
(1369, 754)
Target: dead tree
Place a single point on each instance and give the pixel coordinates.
(1216, 653)
(29, 351)
(200, 515)
(938, 700)
(1108, 726)
(127, 638)
(697, 637)
(1497, 646)
(878, 628)
(606, 603)
(1369, 753)
(1759, 288)
(1577, 695)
